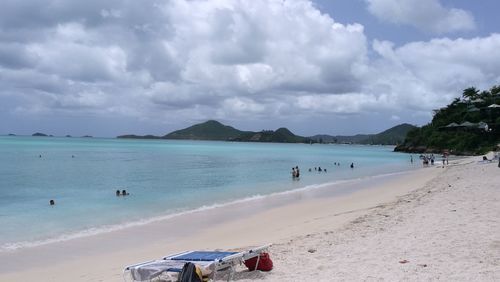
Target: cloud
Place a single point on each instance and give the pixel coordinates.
(424, 75)
(426, 15)
(181, 54)
(253, 61)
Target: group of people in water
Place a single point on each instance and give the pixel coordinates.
(122, 193)
(118, 193)
(296, 171)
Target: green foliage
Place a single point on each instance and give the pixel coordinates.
(495, 90)
(470, 93)
(436, 136)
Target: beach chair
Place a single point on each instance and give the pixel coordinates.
(210, 263)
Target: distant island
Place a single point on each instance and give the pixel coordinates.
(469, 125)
(214, 130)
(40, 134)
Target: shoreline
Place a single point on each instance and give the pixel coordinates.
(329, 189)
(296, 215)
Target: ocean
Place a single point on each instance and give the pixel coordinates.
(164, 178)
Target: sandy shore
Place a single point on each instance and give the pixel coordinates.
(442, 223)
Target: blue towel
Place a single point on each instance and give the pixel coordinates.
(203, 256)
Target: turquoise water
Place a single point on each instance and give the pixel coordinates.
(162, 177)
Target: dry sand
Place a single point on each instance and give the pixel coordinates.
(430, 224)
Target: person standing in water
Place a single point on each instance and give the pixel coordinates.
(297, 172)
(352, 165)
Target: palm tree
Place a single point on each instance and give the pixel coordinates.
(470, 93)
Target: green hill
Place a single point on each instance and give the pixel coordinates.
(391, 136)
(281, 135)
(469, 125)
(210, 130)
(214, 130)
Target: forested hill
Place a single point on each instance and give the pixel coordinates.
(214, 130)
(469, 125)
(210, 130)
(392, 136)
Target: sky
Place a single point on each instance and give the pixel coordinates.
(106, 68)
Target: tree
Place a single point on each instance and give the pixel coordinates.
(470, 93)
(495, 90)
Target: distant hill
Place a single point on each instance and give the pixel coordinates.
(281, 135)
(214, 130)
(209, 130)
(391, 136)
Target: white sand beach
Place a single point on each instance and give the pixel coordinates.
(430, 224)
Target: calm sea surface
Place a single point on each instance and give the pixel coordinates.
(162, 177)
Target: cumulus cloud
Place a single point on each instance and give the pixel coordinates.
(187, 61)
(420, 76)
(426, 15)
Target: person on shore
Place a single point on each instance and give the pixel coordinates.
(118, 193)
(411, 158)
(498, 162)
(297, 171)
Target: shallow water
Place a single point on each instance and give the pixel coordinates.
(162, 177)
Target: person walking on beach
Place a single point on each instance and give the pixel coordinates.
(411, 158)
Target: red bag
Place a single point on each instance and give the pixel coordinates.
(265, 263)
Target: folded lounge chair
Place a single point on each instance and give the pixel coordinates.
(210, 262)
